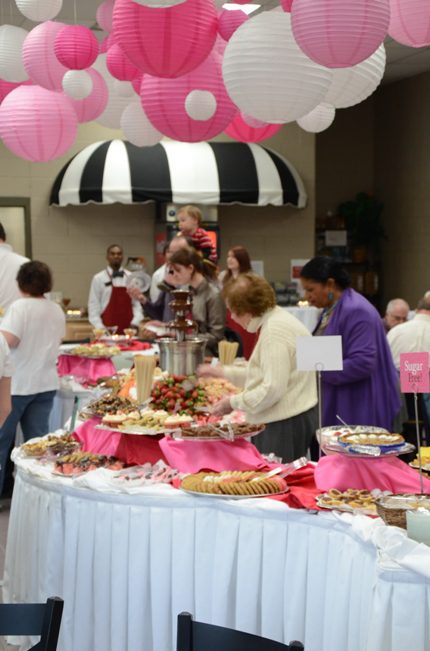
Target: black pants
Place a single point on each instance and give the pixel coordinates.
(289, 438)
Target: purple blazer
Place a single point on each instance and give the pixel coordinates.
(366, 392)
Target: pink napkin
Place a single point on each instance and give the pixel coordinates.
(99, 441)
(389, 473)
(192, 456)
(85, 368)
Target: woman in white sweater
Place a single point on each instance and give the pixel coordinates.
(274, 391)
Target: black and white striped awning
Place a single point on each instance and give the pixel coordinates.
(210, 173)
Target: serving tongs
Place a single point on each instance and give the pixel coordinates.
(285, 470)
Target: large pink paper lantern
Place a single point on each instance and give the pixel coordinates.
(104, 15)
(267, 75)
(339, 33)
(119, 65)
(137, 83)
(164, 102)
(76, 47)
(229, 21)
(91, 107)
(37, 124)
(39, 58)
(166, 42)
(240, 130)
(410, 22)
(106, 43)
(7, 87)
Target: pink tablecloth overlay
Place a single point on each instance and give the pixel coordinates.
(389, 473)
(83, 367)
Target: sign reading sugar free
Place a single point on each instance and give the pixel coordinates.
(414, 373)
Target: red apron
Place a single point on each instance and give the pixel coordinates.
(119, 311)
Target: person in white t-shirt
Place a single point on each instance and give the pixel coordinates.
(33, 327)
(10, 263)
(5, 373)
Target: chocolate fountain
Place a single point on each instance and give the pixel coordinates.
(181, 354)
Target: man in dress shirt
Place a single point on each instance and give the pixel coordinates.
(109, 303)
(396, 312)
(10, 262)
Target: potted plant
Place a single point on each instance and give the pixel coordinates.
(363, 221)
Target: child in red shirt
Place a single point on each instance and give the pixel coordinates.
(190, 218)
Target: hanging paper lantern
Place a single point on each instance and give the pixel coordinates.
(104, 15)
(11, 43)
(339, 33)
(163, 101)
(123, 88)
(350, 86)
(119, 65)
(241, 130)
(39, 10)
(410, 22)
(39, 59)
(267, 75)
(253, 122)
(116, 105)
(107, 43)
(160, 42)
(77, 84)
(319, 119)
(89, 108)
(137, 83)
(229, 21)
(137, 128)
(286, 5)
(37, 124)
(76, 47)
(7, 87)
(200, 104)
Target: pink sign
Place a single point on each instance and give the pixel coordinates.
(414, 373)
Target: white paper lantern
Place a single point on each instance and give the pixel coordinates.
(158, 4)
(137, 128)
(123, 88)
(353, 85)
(200, 104)
(319, 119)
(266, 73)
(39, 10)
(11, 63)
(111, 116)
(77, 84)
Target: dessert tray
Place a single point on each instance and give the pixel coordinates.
(363, 442)
(94, 351)
(351, 501)
(216, 432)
(234, 484)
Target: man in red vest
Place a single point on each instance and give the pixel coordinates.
(109, 303)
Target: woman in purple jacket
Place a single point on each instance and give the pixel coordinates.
(366, 391)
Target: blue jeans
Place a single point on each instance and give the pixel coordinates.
(32, 412)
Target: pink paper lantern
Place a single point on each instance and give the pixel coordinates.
(37, 124)
(76, 47)
(166, 42)
(229, 21)
(286, 5)
(104, 15)
(410, 22)
(137, 83)
(119, 65)
(164, 102)
(339, 33)
(240, 130)
(7, 87)
(91, 107)
(107, 43)
(41, 64)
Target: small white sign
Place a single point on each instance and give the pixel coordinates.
(319, 353)
(335, 238)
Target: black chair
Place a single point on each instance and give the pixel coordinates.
(196, 636)
(33, 619)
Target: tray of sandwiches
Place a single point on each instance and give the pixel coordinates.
(234, 484)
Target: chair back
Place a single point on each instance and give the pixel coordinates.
(196, 636)
(34, 619)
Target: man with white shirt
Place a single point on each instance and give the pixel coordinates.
(10, 262)
(412, 336)
(109, 304)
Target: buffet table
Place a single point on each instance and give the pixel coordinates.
(127, 564)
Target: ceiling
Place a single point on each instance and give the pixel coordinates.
(401, 61)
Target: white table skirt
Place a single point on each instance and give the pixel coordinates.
(126, 565)
(307, 315)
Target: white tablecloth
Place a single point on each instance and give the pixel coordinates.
(307, 315)
(126, 565)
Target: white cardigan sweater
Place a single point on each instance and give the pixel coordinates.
(273, 388)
